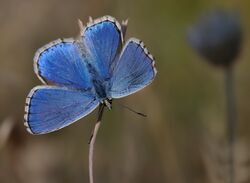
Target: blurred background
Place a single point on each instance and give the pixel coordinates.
(183, 138)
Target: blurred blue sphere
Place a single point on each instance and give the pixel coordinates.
(217, 36)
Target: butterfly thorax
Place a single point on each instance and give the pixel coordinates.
(101, 85)
(100, 88)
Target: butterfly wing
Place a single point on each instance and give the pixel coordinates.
(60, 63)
(49, 108)
(134, 70)
(103, 38)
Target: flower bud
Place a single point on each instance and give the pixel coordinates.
(217, 37)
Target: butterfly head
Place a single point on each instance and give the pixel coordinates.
(108, 103)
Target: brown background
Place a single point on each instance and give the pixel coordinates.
(181, 140)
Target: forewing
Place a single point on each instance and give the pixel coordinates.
(134, 70)
(103, 38)
(61, 64)
(51, 108)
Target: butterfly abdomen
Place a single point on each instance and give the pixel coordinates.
(100, 88)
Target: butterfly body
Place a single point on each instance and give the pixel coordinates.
(101, 88)
(80, 74)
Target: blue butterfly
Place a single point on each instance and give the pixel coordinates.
(80, 74)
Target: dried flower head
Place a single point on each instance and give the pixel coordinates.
(217, 36)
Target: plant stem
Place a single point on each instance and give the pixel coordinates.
(92, 142)
(231, 121)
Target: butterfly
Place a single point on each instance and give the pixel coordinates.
(81, 74)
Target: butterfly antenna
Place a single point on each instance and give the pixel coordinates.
(132, 110)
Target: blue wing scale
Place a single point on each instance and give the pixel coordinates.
(49, 108)
(134, 70)
(60, 63)
(103, 39)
